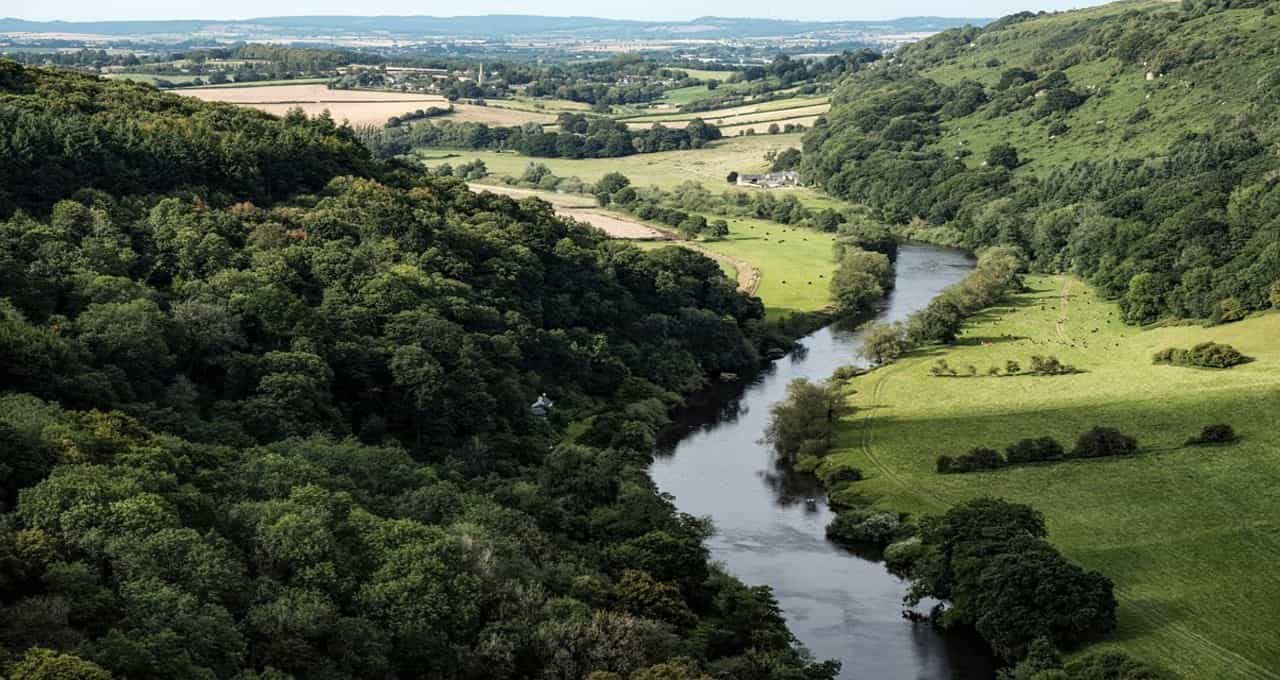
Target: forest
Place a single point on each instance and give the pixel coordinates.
(267, 414)
(577, 136)
(1190, 229)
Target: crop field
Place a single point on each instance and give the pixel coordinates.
(729, 125)
(762, 127)
(709, 165)
(1187, 533)
(796, 106)
(149, 78)
(497, 115)
(355, 106)
(539, 105)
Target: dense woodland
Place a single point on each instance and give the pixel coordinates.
(1190, 231)
(576, 136)
(266, 414)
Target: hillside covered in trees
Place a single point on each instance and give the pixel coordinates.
(266, 414)
(1134, 144)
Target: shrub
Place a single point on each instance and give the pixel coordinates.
(1101, 442)
(1035, 450)
(843, 474)
(980, 458)
(899, 557)
(1228, 310)
(847, 373)
(1051, 366)
(864, 526)
(941, 369)
(1214, 434)
(1203, 355)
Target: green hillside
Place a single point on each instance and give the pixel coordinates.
(1133, 144)
(1203, 66)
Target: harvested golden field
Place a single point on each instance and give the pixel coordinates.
(797, 106)
(497, 115)
(582, 209)
(357, 107)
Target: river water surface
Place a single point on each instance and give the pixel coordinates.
(841, 606)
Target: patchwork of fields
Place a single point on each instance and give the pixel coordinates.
(1187, 533)
(359, 107)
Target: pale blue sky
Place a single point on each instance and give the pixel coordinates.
(96, 10)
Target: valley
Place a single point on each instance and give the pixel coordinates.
(506, 347)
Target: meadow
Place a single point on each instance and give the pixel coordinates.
(1187, 533)
(709, 165)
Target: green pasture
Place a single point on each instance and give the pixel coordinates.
(1188, 534)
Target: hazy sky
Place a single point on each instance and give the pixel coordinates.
(94, 10)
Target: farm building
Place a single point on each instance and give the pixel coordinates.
(770, 180)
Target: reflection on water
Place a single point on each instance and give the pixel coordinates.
(715, 464)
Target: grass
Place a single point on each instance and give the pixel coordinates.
(702, 74)
(685, 95)
(709, 165)
(1187, 534)
(795, 264)
(1100, 128)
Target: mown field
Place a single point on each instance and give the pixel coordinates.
(1188, 534)
(355, 106)
(709, 165)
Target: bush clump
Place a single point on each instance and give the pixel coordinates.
(1034, 451)
(1203, 355)
(842, 475)
(865, 526)
(899, 557)
(1102, 442)
(980, 458)
(1214, 434)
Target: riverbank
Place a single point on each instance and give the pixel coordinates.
(1184, 532)
(714, 463)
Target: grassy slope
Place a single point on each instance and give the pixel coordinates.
(1188, 534)
(1178, 104)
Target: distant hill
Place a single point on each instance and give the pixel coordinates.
(497, 26)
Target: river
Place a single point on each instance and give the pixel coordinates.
(840, 605)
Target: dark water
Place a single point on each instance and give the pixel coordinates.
(840, 605)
